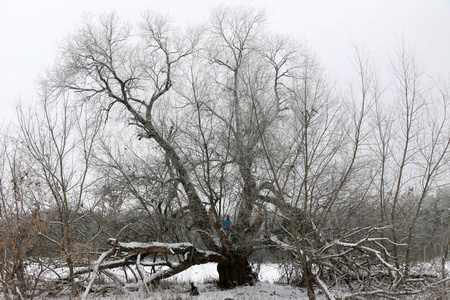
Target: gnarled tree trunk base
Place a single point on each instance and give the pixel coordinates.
(235, 272)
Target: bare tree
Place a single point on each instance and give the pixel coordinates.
(424, 136)
(320, 165)
(235, 121)
(60, 138)
(138, 77)
(21, 223)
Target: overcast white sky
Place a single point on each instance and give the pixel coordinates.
(30, 31)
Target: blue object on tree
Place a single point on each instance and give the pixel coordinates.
(227, 224)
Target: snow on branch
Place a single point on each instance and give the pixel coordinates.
(154, 247)
(377, 253)
(96, 269)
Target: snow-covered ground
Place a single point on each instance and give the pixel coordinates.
(208, 272)
(203, 276)
(260, 291)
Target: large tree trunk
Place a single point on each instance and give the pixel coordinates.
(235, 272)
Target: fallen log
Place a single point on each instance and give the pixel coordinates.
(127, 253)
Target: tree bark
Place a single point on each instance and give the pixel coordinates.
(235, 272)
